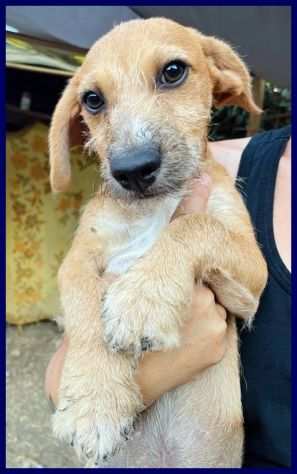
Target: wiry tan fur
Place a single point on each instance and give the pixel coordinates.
(199, 424)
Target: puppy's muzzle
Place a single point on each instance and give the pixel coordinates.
(136, 169)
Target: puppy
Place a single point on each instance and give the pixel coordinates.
(144, 93)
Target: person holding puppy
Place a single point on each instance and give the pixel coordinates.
(262, 165)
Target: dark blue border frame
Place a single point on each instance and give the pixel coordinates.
(2, 210)
(2, 242)
(294, 207)
(172, 3)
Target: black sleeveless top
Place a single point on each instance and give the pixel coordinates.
(266, 349)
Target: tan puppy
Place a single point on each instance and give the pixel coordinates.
(145, 93)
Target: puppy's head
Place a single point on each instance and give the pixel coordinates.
(144, 93)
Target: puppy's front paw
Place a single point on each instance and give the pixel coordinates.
(136, 318)
(95, 437)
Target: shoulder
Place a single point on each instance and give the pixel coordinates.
(228, 153)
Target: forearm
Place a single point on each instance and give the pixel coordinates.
(158, 373)
(202, 346)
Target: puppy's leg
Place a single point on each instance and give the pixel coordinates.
(146, 306)
(98, 399)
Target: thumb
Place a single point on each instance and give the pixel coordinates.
(196, 202)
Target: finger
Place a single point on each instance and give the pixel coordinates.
(197, 200)
(54, 372)
(110, 277)
(203, 291)
(221, 311)
(203, 301)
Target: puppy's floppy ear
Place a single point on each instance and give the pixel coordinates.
(65, 130)
(231, 79)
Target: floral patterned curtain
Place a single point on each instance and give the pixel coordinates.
(40, 225)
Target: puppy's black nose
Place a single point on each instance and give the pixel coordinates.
(136, 169)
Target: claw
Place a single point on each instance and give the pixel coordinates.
(116, 348)
(125, 433)
(88, 454)
(72, 441)
(146, 344)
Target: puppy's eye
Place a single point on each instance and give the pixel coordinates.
(94, 101)
(173, 74)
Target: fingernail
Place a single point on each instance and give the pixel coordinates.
(51, 405)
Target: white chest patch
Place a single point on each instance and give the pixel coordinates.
(137, 237)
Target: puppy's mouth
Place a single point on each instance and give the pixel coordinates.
(138, 192)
